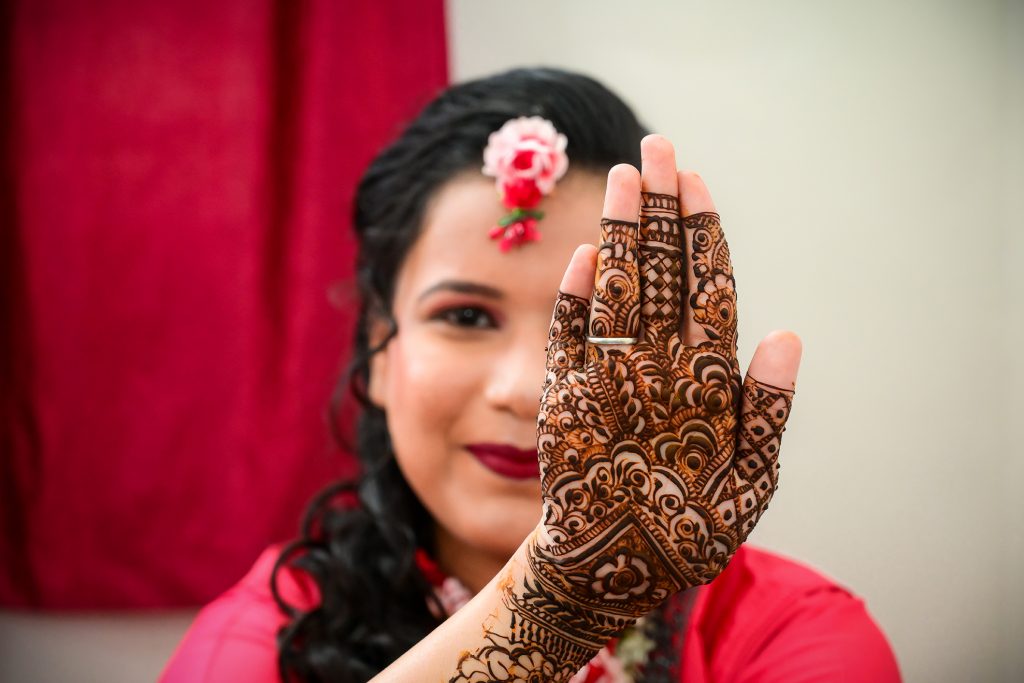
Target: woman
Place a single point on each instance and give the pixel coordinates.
(647, 464)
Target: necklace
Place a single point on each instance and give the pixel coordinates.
(666, 630)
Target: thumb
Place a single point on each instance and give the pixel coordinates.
(777, 360)
(767, 399)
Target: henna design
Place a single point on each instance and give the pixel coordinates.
(661, 251)
(507, 659)
(765, 411)
(565, 336)
(713, 299)
(616, 307)
(656, 460)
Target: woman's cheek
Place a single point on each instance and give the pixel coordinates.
(435, 377)
(431, 389)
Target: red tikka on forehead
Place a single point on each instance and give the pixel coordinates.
(526, 157)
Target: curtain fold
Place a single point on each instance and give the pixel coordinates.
(178, 181)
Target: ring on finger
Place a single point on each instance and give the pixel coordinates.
(611, 340)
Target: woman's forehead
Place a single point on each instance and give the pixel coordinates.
(454, 241)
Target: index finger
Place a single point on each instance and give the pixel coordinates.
(615, 310)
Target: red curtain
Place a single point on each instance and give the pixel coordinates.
(175, 207)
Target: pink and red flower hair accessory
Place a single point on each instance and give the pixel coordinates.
(526, 157)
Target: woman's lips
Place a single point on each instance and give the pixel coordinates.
(508, 461)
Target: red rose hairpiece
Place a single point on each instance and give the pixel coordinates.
(526, 156)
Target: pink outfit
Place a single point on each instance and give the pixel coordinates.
(766, 619)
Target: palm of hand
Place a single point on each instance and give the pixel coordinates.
(656, 461)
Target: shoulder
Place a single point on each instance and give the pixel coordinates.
(771, 618)
(752, 566)
(235, 636)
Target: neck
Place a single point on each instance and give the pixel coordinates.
(471, 565)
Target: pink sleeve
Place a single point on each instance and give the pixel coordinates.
(230, 640)
(234, 638)
(826, 635)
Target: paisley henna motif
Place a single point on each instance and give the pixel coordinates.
(656, 461)
(615, 311)
(713, 299)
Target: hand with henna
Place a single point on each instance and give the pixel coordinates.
(657, 458)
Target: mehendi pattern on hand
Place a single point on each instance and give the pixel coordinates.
(615, 311)
(656, 460)
(661, 259)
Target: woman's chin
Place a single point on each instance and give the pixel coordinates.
(500, 524)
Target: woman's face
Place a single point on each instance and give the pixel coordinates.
(461, 381)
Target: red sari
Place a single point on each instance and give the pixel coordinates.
(765, 619)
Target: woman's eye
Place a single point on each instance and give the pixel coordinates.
(467, 316)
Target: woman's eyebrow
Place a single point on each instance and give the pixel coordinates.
(463, 287)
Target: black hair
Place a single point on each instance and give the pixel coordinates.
(361, 555)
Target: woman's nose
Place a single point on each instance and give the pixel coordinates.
(518, 376)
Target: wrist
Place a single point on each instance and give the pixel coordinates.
(549, 597)
(545, 598)
(535, 631)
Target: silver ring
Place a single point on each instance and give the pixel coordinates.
(611, 340)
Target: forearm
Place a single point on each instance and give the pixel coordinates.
(513, 627)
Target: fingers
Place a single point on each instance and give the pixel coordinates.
(615, 308)
(711, 309)
(566, 336)
(767, 400)
(579, 274)
(660, 239)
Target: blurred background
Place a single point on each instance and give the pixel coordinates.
(175, 304)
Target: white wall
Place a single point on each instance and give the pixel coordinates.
(866, 158)
(1012, 248)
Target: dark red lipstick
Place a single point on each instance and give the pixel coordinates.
(508, 461)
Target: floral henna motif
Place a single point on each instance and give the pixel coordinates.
(713, 299)
(505, 659)
(656, 461)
